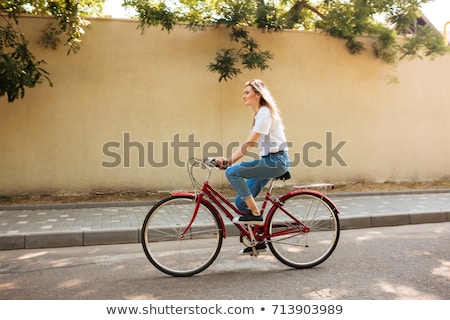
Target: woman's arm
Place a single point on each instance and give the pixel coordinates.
(249, 143)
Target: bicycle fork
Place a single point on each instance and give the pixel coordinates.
(194, 215)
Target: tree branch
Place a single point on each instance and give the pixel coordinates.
(304, 4)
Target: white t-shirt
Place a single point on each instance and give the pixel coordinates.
(272, 139)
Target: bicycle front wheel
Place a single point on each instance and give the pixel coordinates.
(170, 251)
(305, 231)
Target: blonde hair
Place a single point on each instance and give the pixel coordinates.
(266, 97)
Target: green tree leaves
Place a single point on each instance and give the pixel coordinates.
(249, 55)
(19, 69)
(348, 20)
(391, 24)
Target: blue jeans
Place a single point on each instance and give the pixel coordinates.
(249, 178)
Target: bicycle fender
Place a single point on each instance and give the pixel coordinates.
(208, 204)
(182, 194)
(314, 192)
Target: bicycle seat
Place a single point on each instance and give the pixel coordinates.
(284, 177)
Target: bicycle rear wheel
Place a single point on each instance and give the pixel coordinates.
(305, 231)
(173, 254)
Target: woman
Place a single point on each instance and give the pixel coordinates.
(249, 178)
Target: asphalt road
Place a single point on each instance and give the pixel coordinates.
(404, 262)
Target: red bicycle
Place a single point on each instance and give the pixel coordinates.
(182, 235)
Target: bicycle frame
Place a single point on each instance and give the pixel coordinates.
(224, 205)
(191, 246)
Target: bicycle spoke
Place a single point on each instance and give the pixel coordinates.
(307, 233)
(176, 253)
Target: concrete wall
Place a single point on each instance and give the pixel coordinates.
(127, 101)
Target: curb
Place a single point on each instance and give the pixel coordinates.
(393, 220)
(133, 235)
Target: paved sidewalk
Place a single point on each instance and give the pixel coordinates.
(77, 224)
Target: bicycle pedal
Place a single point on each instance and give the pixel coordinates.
(254, 253)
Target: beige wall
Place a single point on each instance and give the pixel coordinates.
(155, 86)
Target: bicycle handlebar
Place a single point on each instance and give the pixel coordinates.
(211, 162)
(208, 163)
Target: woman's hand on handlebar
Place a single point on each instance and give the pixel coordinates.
(222, 163)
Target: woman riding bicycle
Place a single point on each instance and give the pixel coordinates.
(249, 178)
(182, 234)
